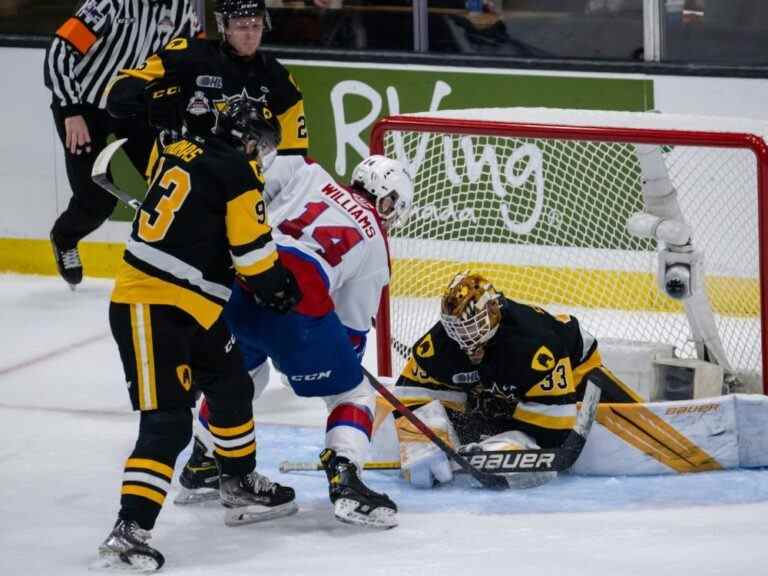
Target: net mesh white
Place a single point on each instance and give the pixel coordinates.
(545, 220)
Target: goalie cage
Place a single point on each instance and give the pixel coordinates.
(539, 200)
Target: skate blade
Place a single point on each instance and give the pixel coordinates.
(256, 513)
(380, 518)
(109, 561)
(186, 497)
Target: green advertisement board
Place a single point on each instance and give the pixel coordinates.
(342, 102)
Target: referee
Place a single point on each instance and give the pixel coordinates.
(102, 37)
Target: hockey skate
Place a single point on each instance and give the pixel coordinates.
(68, 263)
(126, 548)
(255, 498)
(353, 502)
(199, 479)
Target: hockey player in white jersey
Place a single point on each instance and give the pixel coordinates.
(333, 239)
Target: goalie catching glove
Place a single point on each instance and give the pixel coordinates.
(275, 288)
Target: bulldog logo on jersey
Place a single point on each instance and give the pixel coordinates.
(543, 360)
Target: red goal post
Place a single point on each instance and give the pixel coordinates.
(585, 163)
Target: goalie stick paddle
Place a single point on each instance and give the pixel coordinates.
(99, 174)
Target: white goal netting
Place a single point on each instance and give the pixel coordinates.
(543, 212)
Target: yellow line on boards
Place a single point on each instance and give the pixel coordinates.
(32, 256)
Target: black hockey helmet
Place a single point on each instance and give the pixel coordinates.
(246, 122)
(226, 9)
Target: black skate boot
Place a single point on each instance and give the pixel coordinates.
(126, 548)
(255, 498)
(68, 263)
(200, 477)
(353, 502)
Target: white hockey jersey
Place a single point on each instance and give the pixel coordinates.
(313, 214)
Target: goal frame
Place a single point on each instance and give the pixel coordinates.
(671, 137)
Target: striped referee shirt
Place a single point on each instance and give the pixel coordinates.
(104, 36)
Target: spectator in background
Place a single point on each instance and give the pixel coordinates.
(85, 54)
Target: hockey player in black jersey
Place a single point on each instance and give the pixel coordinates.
(202, 223)
(213, 72)
(519, 368)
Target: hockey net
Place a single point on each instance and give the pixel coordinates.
(538, 200)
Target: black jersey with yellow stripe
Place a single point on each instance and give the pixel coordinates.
(202, 220)
(210, 74)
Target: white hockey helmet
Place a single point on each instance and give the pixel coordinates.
(388, 182)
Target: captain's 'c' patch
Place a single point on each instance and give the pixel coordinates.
(543, 360)
(184, 373)
(425, 348)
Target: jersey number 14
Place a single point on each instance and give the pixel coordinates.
(334, 240)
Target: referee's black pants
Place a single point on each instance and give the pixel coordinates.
(90, 205)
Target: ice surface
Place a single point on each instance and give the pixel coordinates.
(66, 429)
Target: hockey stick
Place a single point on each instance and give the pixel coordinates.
(482, 465)
(99, 174)
(289, 466)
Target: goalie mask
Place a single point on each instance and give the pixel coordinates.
(388, 183)
(470, 311)
(250, 126)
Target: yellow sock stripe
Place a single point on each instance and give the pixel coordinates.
(144, 492)
(651, 435)
(236, 453)
(154, 465)
(230, 432)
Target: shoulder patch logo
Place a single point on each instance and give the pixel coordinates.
(198, 104)
(543, 360)
(184, 374)
(425, 348)
(206, 81)
(177, 44)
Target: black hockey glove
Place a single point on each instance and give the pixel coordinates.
(164, 104)
(276, 289)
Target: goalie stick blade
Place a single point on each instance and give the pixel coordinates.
(99, 174)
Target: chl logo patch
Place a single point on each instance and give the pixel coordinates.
(205, 81)
(425, 348)
(184, 374)
(543, 360)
